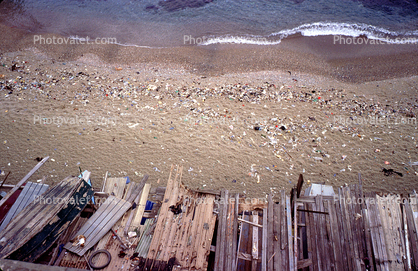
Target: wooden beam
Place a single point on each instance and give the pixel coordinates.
(299, 186)
(19, 184)
(249, 222)
(310, 211)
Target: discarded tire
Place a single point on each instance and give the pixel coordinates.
(109, 258)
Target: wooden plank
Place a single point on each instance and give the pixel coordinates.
(335, 237)
(223, 230)
(141, 207)
(136, 195)
(250, 223)
(28, 194)
(412, 234)
(264, 258)
(318, 236)
(311, 233)
(371, 224)
(207, 226)
(218, 252)
(235, 233)
(244, 242)
(289, 234)
(35, 216)
(299, 186)
(346, 227)
(230, 234)
(270, 235)
(162, 218)
(295, 226)
(325, 259)
(284, 238)
(43, 240)
(387, 206)
(350, 216)
(368, 237)
(100, 223)
(168, 229)
(276, 237)
(17, 186)
(381, 236)
(116, 186)
(254, 249)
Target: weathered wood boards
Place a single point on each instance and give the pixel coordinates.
(185, 236)
(17, 186)
(28, 194)
(100, 223)
(37, 215)
(43, 240)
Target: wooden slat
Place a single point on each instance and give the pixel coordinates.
(230, 235)
(412, 234)
(295, 224)
(381, 236)
(311, 237)
(162, 217)
(43, 240)
(254, 247)
(204, 240)
(28, 194)
(335, 237)
(116, 186)
(135, 196)
(284, 238)
(264, 242)
(325, 260)
(35, 216)
(235, 233)
(371, 224)
(223, 225)
(141, 207)
(245, 242)
(100, 223)
(270, 234)
(17, 186)
(276, 237)
(289, 234)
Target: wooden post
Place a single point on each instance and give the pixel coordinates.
(11, 192)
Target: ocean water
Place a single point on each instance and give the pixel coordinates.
(158, 23)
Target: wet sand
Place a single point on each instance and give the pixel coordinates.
(246, 118)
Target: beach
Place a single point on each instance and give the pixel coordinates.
(246, 118)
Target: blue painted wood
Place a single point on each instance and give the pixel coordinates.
(42, 241)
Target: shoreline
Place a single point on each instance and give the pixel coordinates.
(318, 56)
(200, 107)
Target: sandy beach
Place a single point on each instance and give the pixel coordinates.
(246, 118)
